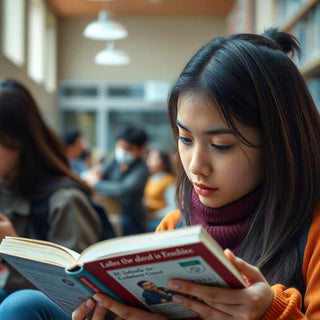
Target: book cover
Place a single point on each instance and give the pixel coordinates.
(135, 270)
(53, 281)
(192, 262)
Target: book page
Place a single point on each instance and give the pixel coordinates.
(52, 280)
(39, 250)
(140, 242)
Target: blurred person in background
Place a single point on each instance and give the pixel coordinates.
(75, 146)
(33, 167)
(159, 193)
(124, 177)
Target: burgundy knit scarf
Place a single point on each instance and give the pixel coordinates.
(228, 224)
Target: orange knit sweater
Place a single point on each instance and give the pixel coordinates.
(286, 304)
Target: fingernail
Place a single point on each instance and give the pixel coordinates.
(177, 299)
(89, 303)
(99, 304)
(174, 285)
(231, 253)
(98, 299)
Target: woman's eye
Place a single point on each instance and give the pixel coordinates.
(222, 147)
(184, 140)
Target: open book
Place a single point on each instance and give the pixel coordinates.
(124, 268)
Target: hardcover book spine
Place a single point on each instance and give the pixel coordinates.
(88, 281)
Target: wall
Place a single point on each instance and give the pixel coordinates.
(46, 101)
(159, 47)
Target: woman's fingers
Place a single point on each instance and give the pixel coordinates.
(99, 312)
(251, 273)
(83, 310)
(124, 311)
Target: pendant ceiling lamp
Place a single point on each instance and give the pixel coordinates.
(105, 28)
(111, 56)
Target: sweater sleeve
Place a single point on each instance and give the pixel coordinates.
(169, 222)
(287, 301)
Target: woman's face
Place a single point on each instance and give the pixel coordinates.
(154, 161)
(220, 167)
(9, 162)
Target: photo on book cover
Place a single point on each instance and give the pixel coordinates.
(148, 282)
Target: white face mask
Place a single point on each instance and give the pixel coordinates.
(123, 156)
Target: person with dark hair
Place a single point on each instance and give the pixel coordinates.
(124, 177)
(87, 157)
(159, 192)
(74, 146)
(33, 167)
(247, 134)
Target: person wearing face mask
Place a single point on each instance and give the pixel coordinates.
(124, 177)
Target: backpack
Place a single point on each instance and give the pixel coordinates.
(40, 209)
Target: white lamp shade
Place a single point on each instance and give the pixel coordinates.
(105, 28)
(112, 56)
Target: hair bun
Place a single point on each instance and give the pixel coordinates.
(286, 42)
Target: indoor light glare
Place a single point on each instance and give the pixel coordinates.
(112, 56)
(105, 28)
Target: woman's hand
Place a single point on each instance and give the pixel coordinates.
(226, 304)
(6, 227)
(102, 303)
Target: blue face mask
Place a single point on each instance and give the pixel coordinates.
(123, 156)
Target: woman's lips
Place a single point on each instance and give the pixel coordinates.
(203, 190)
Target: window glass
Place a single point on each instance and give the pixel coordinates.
(79, 91)
(132, 91)
(13, 27)
(36, 39)
(51, 53)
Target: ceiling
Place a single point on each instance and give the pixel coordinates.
(86, 8)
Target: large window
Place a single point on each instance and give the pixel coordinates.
(51, 53)
(100, 110)
(36, 39)
(13, 30)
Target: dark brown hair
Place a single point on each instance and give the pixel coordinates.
(42, 153)
(252, 80)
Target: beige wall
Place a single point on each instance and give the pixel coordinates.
(159, 47)
(46, 101)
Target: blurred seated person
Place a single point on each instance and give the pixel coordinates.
(32, 167)
(86, 156)
(159, 193)
(75, 146)
(124, 177)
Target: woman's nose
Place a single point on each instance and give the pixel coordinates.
(200, 163)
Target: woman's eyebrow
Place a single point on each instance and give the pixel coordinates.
(218, 131)
(179, 124)
(208, 132)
